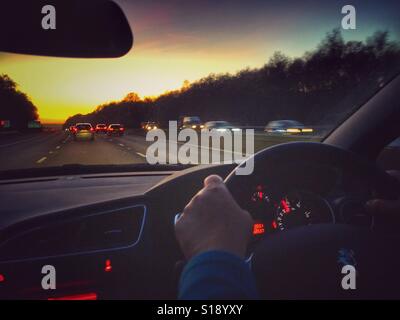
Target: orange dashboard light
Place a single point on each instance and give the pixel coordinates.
(258, 229)
(108, 266)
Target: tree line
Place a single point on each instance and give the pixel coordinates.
(317, 88)
(15, 106)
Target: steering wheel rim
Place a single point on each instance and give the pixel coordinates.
(341, 238)
(386, 186)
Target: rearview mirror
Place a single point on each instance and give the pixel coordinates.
(60, 28)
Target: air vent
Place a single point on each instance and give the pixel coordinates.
(108, 230)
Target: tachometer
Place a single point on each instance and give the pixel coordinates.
(301, 209)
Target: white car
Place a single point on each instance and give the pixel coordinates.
(220, 126)
(84, 131)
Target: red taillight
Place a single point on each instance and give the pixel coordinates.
(2, 278)
(83, 296)
(121, 129)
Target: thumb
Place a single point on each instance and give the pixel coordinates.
(212, 181)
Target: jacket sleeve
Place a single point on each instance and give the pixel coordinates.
(217, 275)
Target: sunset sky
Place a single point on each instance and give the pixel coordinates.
(185, 40)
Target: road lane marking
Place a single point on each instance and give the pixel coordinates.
(41, 160)
(66, 139)
(50, 152)
(58, 147)
(141, 154)
(122, 145)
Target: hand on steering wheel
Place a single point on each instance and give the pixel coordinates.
(213, 220)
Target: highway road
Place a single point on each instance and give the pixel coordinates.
(55, 149)
(50, 149)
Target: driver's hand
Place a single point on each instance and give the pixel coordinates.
(382, 207)
(213, 220)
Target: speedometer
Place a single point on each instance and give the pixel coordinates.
(301, 209)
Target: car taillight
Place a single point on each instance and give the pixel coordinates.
(91, 130)
(121, 129)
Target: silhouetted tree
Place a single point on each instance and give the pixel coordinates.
(15, 105)
(320, 87)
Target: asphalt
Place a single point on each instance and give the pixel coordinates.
(55, 149)
(48, 149)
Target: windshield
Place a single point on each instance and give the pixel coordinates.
(288, 70)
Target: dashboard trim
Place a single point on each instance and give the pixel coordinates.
(85, 252)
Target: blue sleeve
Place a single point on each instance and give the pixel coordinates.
(217, 275)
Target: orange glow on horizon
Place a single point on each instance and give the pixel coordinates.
(62, 87)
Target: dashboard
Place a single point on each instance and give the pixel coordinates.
(103, 233)
(273, 213)
(292, 198)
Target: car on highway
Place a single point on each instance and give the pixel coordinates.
(191, 122)
(101, 128)
(287, 127)
(221, 126)
(115, 129)
(86, 221)
(150, 125)
(83, 131)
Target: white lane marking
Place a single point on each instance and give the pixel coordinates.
(66, 139)
(58, 147)
(122, 145)
(41, 160)
(141, 154)
(50, 152)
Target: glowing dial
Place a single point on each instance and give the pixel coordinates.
(292, 212)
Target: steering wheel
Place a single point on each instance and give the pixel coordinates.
(308, 262)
